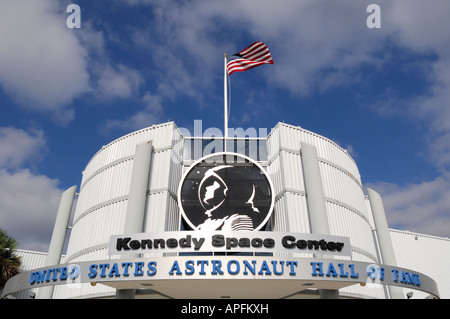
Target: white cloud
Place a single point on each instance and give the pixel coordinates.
(422, 28)
(28, 207)
(421, 25)
(17, 147)
(120, 81)
(42, 64)
(151, 114)
(28, 202)
(422, 207)
(315, 44)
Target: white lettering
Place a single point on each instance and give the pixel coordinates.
(247, 308)
(198, 309)
(74, 20)
(374, 20)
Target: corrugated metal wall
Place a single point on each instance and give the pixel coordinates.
(344, 196)
(103, 197)
(30, 260)
(427, 254)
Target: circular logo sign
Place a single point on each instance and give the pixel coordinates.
(226, 191)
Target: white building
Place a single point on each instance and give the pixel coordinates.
(130, 195)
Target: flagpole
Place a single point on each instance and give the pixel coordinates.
(225, 99)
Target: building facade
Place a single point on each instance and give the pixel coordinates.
(319, 234)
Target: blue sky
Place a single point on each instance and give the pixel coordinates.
(381, 93)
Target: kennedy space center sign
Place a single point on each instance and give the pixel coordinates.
(227, 241)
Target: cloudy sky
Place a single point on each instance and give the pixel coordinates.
(381, 93)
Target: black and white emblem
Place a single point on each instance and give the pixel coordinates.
(225, 191)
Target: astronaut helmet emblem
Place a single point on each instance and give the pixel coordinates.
(212, 190)
(225, 191)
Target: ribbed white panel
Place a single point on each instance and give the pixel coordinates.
(31, 259)
(273, 143)
(369, 212)
(434, 258)
(107, 184)
(102, 202)
(342, 187)
(94, 253)
(291, 213)
(161, 136)
(165, 175)
(280, 219)
(173, 214)
(346, 206)
(291, 136)
(275, 174)
(87, 231)
(292, 168)
(157, 206)
(345, 222)
(159, 170)
(176, 170)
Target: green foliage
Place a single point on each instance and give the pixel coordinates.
(9, 262)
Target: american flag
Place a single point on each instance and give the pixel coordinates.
(242, 223)
(255, 55)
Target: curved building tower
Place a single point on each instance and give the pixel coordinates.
(158, 211)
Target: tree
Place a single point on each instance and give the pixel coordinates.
(9, 262)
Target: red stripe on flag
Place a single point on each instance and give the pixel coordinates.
(239, 65)
(255, 46)
(254, 55)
